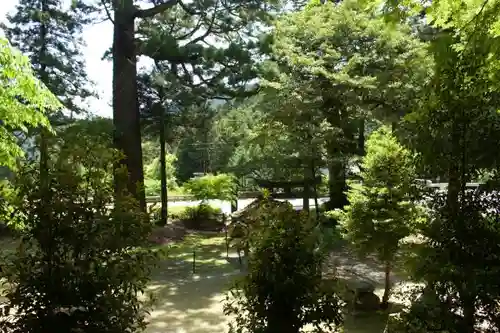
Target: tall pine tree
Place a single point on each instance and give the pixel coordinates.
(49, 32)
(233, 17)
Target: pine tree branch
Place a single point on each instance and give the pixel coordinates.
(108, 14)
(150, 12)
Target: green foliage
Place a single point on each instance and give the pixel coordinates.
(221, 186)
(154, 168)
(152, 181)
(282, 291)
(24, 102)
(381, 211)
(386, 71)
(200, 212)
(318, 89)
(8, 197)
(196, 149)
(81, 265)
(459, 265)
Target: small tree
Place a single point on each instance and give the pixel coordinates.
(80, 265)
(380, 208)
(283, 290)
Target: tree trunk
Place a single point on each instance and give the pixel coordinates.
(315, 189)
(361, 137)
(306, 194)
(337, 184)
(163, 171)
(454, 179)
(469, 308)
(127, 137)
(394, 126)
(387, 286)
(42, 74)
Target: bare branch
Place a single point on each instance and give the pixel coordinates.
(193, 31)
(189, 10)
(150, 12)
(209, 29)
(107, 11)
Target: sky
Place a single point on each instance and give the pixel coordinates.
(98, 38)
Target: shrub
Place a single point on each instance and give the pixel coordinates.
(459, 265)
(221, 186)
(153, 186)
(152, 170)
(283, 290)
(203, 217)
(80, 266)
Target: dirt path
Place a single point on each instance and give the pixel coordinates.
(192, 303)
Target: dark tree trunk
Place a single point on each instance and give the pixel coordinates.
(387, 286)
(306, 194)
(337, 184)
(361, 137)
(336, 166)
(454, 178)
(42, 73)
(394, 126)
(315, 189)
(163, 171)
(469, 311)
(127, 136)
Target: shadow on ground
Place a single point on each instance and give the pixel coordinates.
(190, 302)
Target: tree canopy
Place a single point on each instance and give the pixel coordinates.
(25, 102)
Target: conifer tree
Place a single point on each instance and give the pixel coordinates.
(205, 22)
(49, 32)
(381, 210)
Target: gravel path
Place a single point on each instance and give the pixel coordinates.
(193, 302)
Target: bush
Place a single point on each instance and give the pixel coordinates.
(80, 267)
(459, 264)
(283, 290)
(153, 186)
(221, 186)
(203, 217)
(153, 170)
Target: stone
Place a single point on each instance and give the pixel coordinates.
(367, 301)
(364, 287)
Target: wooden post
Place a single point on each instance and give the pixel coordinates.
(227, 240)
(194, 261)
(307, 191)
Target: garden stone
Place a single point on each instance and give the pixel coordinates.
(364, 287)
(367, 301)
